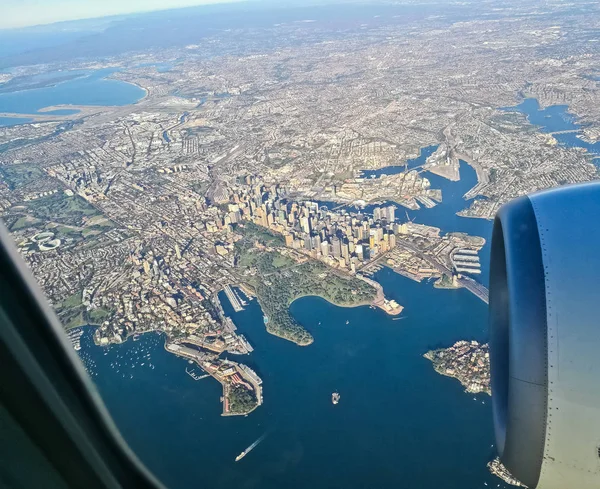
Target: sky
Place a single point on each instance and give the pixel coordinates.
(24, 13)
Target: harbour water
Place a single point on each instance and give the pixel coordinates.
(398, 422)
(554, 119)
(77, 88)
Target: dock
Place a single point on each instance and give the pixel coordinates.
(233, 299)
(194, 375)
(225, 372)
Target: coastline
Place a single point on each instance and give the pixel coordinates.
(348, 306)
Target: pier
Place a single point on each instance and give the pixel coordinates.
(225, 372)
(196, 376)
(233, 298)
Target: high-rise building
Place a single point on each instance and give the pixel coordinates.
(345, 251)
(377, 214)
(384, 243)
(289, 240)
(177, 251)
(373, 251)
(316, 242)
(305, 224)
(359, 252)
(336, 247)
(391, 213)
(392, 241)
(307, 242)
(325, 248)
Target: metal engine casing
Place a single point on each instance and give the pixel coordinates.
(545, 337)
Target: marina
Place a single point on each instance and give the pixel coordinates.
(192, 373)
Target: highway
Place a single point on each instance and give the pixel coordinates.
(468, 283)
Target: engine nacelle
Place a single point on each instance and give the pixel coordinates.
(545, 337)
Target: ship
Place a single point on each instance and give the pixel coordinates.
(335, 397)
(249, 449)
(241, 455)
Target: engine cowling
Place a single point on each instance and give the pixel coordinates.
(545, 337)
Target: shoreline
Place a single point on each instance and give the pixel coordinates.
(224, 385)
(362, 304)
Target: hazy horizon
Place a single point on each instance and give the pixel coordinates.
(37, 13)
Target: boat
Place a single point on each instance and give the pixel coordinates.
(335, 397)
(249, 449)
(241, 455)
(347, 322)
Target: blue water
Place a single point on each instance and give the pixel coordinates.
(553, 119)
(13, 121)
(442, 215)
(90, 89)
(410, 164)
(398, 423)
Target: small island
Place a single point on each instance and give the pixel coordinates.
(467, 361)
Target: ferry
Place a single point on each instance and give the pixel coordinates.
(241, 455)
(250, 448)
(335, 397)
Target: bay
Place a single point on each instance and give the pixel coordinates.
(398, 422)
(84, 88)
(556, 118)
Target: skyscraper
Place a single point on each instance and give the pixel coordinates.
(359, 252)
(392, 240)
(345, 251)
(305, 224)
(391, 213)
(325, 248)
(336, 246)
